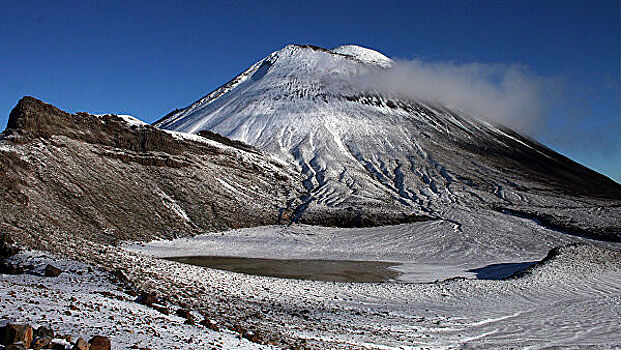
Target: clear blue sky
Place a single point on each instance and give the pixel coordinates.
(147, 58)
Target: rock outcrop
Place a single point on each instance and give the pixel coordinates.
(108, 178)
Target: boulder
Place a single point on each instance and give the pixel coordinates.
(187, 314)
(15, 333)
(80, 344)
(121, 276)
(253, 336)
(99, 342)
(52, 271)
(41, 343)
(147, 298)
(43, 332)
(162, 309)
(210, 324)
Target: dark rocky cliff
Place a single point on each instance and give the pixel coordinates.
(106, 179)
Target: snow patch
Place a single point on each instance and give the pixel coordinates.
(171, 204)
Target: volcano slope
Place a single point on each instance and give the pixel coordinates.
(371, 157)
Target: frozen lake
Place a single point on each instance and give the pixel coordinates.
(346, 270)
(306, 269)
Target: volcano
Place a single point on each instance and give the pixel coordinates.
(369, 157)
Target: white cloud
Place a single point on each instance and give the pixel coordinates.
(506, 94)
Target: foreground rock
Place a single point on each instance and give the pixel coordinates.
(17, 336)
(99, 343)
(80, 344)
(44, 331)
(187, 314)
(16, 333)
(147, 298)
(41, 343)
(10, 269)
(88, 301)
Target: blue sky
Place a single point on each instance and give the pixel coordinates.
(149, 57)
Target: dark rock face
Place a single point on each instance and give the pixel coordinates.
(106, 180)
(356, 217)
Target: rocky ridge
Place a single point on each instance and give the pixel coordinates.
(108, 178)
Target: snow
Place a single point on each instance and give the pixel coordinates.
(172, 205)
(358, 149)
(102, 309)
(232, 189)
(130, 120)
(195, 138)
(353, 151)
(573, 300)
(427, 251)
(364, 55)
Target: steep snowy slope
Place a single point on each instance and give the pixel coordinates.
(373, 153)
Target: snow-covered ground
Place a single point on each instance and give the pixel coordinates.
(573, 300)
(83, 302)
(354, 149)
(427, 251)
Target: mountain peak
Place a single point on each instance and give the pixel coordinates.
(364, 54)
(25, 115)
(358, 53)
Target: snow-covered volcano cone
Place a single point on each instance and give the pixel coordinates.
(376, 153)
